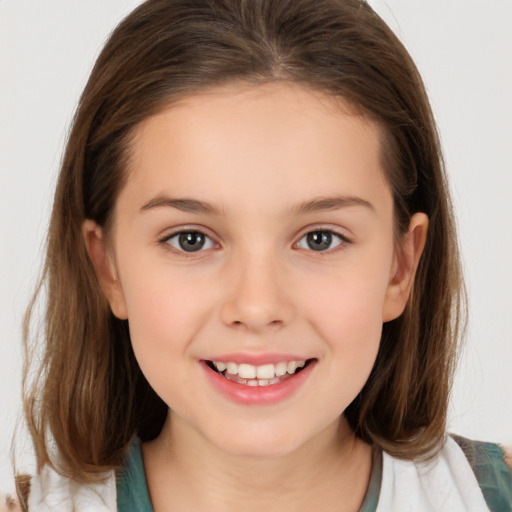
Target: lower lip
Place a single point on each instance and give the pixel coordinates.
(257, 395)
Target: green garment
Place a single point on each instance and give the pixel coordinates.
(486, 459)
(493, 475)
(132, 488)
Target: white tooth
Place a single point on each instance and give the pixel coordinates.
(301, 364)
(263, 382)
(280, 369)
(275, 380)
(247, 371)
(267, 371)
(252, 383)
(220, 366)
(291, 367)
(232, 368)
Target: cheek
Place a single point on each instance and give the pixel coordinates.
(163, 320)
(347, 315)
(347, 308)
(164, 312)
(351, 326)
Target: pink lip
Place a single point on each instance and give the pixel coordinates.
(258, 395)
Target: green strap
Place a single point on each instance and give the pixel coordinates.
(493, 475)
(372, 494)
(132, 489)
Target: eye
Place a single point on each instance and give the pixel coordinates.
(189, 241)
(321, 240)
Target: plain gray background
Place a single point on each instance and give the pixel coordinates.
(463, 48)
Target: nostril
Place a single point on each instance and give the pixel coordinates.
(254, 326)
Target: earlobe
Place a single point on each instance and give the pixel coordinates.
(404, 268)
(104, 267)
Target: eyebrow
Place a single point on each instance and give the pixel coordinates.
(312, 206)
(331, 203)
(182, 204)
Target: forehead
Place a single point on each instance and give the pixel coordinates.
(274, 141)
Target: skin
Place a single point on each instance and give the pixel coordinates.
(256, 155)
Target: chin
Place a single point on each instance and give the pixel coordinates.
(266, 442)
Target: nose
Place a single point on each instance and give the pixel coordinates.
(256, 298)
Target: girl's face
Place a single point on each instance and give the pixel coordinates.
(254, 235)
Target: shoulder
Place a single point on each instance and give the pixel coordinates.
(491, 465)
(464, 475)
(52, 492)
(48, 491)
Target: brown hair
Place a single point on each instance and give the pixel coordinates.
(88, 394)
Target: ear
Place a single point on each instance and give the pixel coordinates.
(104, 266)
(404, 268)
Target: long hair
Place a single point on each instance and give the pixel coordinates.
(84, 393)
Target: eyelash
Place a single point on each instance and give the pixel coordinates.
(167, 240)
(342, 240)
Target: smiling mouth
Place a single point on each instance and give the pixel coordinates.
(263, 375)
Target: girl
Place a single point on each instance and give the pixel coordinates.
(254, 292)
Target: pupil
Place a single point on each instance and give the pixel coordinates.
(319, 240)
(192, 241)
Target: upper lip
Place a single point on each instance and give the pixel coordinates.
(257, 359)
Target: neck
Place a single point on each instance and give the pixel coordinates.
(185, 472)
